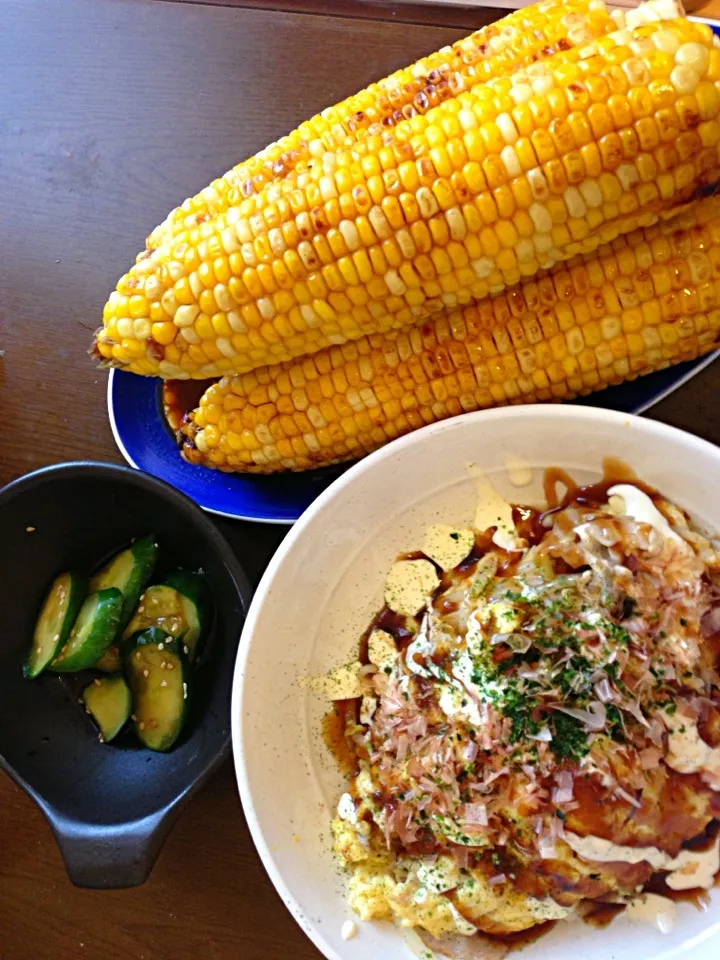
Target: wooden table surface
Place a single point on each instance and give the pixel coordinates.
(111, 111)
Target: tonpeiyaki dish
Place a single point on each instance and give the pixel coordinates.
(378, 510)
(530, 730)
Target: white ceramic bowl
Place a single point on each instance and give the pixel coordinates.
(325, 583)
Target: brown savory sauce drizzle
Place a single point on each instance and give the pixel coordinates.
(528, 523)
(334, 724)
(179, 397)
(414, 555)
(599, 914)
(394, 624)
(483, 543)
(614, 471)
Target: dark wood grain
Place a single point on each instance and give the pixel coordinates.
(111, 111)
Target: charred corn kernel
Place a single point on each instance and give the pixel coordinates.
(287, 221)
(578, 328)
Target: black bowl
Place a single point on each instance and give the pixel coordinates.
(110, 806)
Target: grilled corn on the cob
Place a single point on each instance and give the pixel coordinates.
(489, 186)
(650, 299)
(518, 39)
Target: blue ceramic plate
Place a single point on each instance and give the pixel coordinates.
(139, 427)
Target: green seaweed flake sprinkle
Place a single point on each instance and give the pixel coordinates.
(569, 739)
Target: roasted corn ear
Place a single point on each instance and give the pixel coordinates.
(648, 300)
(491, 185)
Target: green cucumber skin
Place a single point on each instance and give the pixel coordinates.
(157, 635)
(194, 587)
(144, 555)
(112, 686)
(174, 647)
(100, 634)
(155, 612)
(78, 593)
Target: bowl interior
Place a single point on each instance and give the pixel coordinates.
(77, 518)
(330, 573)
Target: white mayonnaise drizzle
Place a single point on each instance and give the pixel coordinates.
(654, 909)
(348, 930)
(690, 869)
(493, 511)
(519, 471)
(688, 752)
(547, 909)
(640, 507)
(346, 808)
